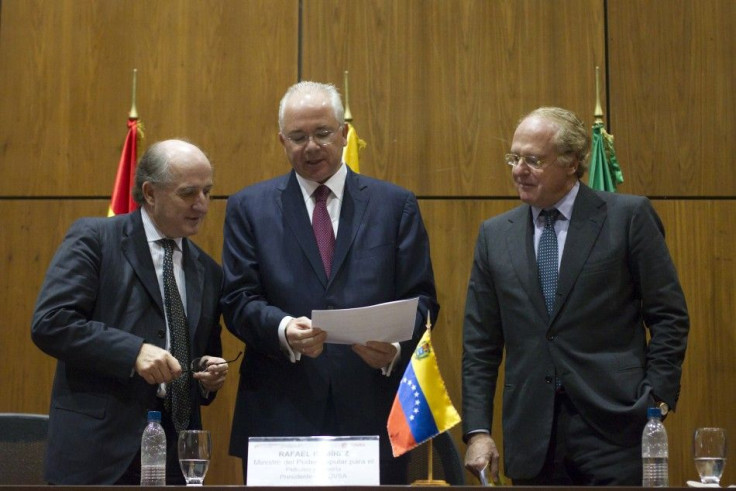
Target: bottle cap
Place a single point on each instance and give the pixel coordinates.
(156, 416)
(654, 412)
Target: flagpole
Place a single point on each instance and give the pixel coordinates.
(430, 481)
(348, 114)
(133, 114)
(598, 115)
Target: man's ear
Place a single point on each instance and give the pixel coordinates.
(148, 192)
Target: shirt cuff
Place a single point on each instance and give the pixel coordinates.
(290, 353)
(387, 370)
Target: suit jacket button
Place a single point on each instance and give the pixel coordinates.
(548, 380)
(161, 333)
(550, 338)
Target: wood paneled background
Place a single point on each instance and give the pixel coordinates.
(436, 89)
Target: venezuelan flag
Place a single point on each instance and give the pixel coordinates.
(422, 408)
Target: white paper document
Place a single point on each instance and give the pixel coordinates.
(390, 322)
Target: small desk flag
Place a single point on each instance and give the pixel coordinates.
(422, 408)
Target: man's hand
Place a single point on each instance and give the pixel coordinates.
(481, 452)
(213, 374)
(375, 353)
(305, 339)
(156, 365)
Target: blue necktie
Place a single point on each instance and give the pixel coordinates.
(547, 258)
(178, 399)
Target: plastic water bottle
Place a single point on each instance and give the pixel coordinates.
(153, 452)
(654, 451)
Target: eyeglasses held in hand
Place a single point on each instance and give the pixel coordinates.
(196, 364)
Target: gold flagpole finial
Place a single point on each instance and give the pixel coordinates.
(598, 110)
(348, 114)
(133, 114)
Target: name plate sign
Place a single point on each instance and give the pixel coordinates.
(313, 461)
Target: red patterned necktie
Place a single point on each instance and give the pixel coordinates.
(322, 226)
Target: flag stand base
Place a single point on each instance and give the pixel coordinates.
(429, 482)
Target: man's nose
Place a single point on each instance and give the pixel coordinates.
(202, 201)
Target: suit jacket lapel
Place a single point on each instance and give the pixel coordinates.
(296, 217)
(520, 237)
(135, 249)
(194, 274)
(354, 203)
(588, 215)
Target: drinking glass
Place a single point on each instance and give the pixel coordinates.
(195, 448)
(709, 452)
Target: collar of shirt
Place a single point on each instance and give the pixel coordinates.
(153, 234)
(336, 183)
(564, 206)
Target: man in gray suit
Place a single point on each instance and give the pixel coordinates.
(101, 314)
(579, 371)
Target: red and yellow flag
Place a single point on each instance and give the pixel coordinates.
(122, 199)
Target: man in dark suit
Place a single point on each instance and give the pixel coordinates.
(579, 371)
(293, 382)
(101, 313)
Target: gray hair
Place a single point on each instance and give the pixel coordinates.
(153, 167)
(308, 87)
(572, 138)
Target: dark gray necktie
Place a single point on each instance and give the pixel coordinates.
(178, 397)
(322, 226)
(547, 258)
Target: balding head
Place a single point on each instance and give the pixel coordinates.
(154, 165)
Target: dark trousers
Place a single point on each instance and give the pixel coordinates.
(580, 456)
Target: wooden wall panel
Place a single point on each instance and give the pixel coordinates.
(701, 244)
(436, 88)
(204, 73)
(672, 71)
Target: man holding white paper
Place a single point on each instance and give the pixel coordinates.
(281, 262)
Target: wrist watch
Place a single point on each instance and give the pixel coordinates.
(664, 408)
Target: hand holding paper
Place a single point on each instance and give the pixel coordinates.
(375, 353)
(303, 338)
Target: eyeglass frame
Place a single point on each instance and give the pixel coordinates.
(539, 165)
(195, 366)
(326, 139)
